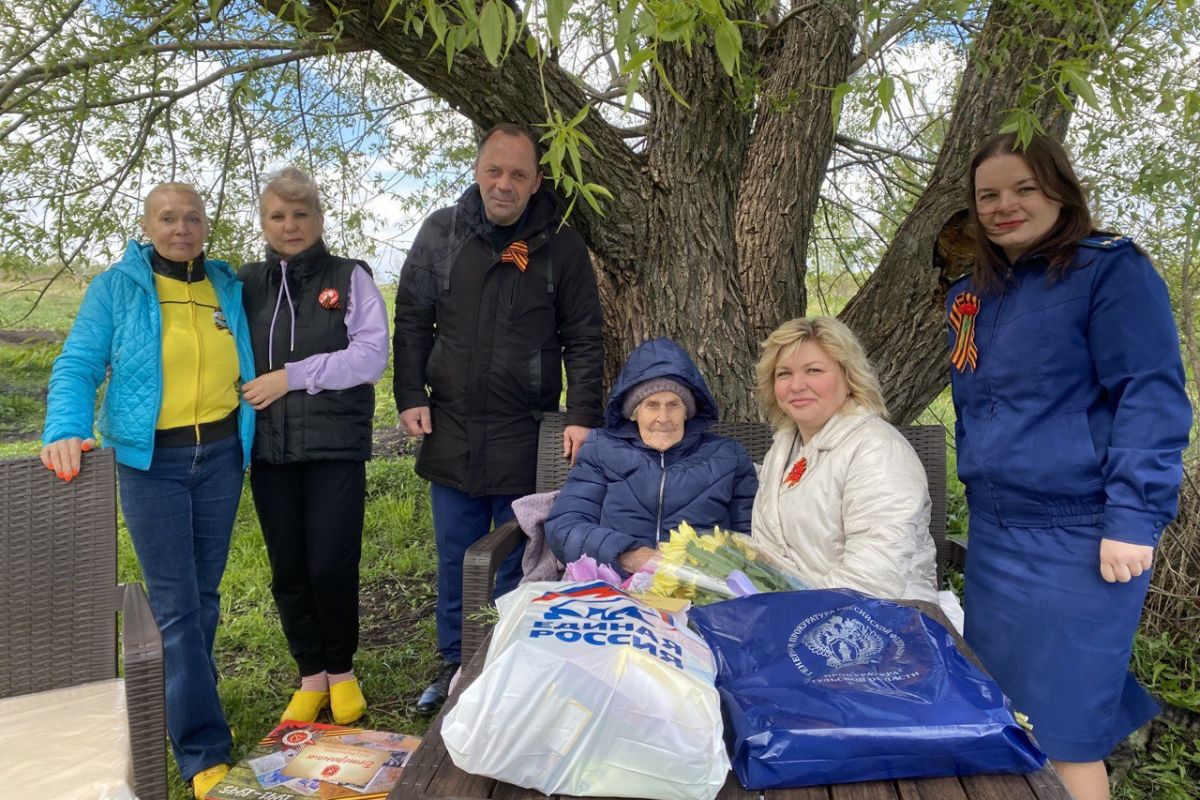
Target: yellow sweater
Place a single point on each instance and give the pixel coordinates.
(199, 356)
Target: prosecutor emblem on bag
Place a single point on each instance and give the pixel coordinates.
(588, 691)
(832, 686)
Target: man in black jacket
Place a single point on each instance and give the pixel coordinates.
(494, 298)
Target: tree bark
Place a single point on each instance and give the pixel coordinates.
(788, 156)
(685, 282)
(899, 313)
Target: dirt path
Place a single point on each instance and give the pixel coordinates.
(29, 337)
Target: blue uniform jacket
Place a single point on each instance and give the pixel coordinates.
(1076, 413)
(622, 494)
(119, 326)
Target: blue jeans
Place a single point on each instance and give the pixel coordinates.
(459, 521)
(180, 515)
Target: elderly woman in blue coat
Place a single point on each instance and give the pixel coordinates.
(1071, 421)
(652, 466)
(165, 326)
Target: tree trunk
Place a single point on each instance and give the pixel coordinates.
(788, 156)
(899, 313)
(685, 283)
(664, 249)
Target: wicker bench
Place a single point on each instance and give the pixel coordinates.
(59, 604)
(484, 558)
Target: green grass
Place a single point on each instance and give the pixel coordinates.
(22, 309)
(1169, 767)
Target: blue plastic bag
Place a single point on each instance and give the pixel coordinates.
(832, 686)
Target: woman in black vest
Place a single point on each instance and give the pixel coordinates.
(319, 329)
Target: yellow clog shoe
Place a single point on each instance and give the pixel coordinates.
(347, 701)
(305, 706)
(204, 780)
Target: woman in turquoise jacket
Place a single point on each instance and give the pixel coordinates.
(165, 325)
(1071, 421)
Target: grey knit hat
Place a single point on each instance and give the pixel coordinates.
(648, 387)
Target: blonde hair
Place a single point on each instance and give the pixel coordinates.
(171, 186)
(295, 185)
(832, 336)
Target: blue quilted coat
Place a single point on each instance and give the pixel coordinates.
(622, 494)
(119, 326)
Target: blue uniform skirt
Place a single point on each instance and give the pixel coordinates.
(1056, 636)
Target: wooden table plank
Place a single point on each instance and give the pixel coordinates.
(506, 791)
(931, 789)
(997, 787)
(453, 782)
(866, 790)
(1047, 785)
(733, 790)
(799, 793)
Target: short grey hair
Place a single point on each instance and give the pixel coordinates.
(295, 185)
(171, 186)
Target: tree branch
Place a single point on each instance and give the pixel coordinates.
(859, 145)
(45, 72)
(237, 69)
(895, 26)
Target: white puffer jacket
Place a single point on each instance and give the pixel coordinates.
(858, 518)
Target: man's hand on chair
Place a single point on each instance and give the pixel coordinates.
(573, 439)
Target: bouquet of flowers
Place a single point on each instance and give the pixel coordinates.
(700, 567)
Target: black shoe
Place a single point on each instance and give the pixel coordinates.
(435, 694)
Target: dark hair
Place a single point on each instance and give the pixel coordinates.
(512, 129)
(1051, 168)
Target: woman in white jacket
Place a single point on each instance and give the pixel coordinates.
(842, 496)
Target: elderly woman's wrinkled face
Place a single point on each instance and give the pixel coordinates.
(660, 419)
(175, 223)
(290, 226)
(810, 387)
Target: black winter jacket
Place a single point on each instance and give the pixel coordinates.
(490, 341)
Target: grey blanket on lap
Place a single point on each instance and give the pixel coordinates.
(539, 562)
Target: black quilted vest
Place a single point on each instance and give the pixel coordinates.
(332, 424)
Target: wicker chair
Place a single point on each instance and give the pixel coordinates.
(484, 558)
(59, 604)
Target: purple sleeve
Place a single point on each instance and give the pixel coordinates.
(364, 359)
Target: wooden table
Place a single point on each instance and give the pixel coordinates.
(431, 775)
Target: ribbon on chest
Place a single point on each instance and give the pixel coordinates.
(962, 321)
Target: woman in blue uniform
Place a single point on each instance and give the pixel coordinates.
(1072, 418)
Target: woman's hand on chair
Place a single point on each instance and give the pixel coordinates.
(65, 456)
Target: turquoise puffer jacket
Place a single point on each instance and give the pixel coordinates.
(119, 326)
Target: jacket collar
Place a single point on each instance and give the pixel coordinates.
(300, 265)
(539, 216)
(840, 426)
(135, 265)
(187, 271)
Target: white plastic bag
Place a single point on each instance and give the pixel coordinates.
(587, 691)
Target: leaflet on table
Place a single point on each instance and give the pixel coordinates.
(318, 761)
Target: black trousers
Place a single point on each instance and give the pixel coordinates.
(311, 514)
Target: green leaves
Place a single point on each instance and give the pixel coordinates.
(729, 46)
(491, 31)
(563, 161)
(1074, 74)
(1023, 122)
